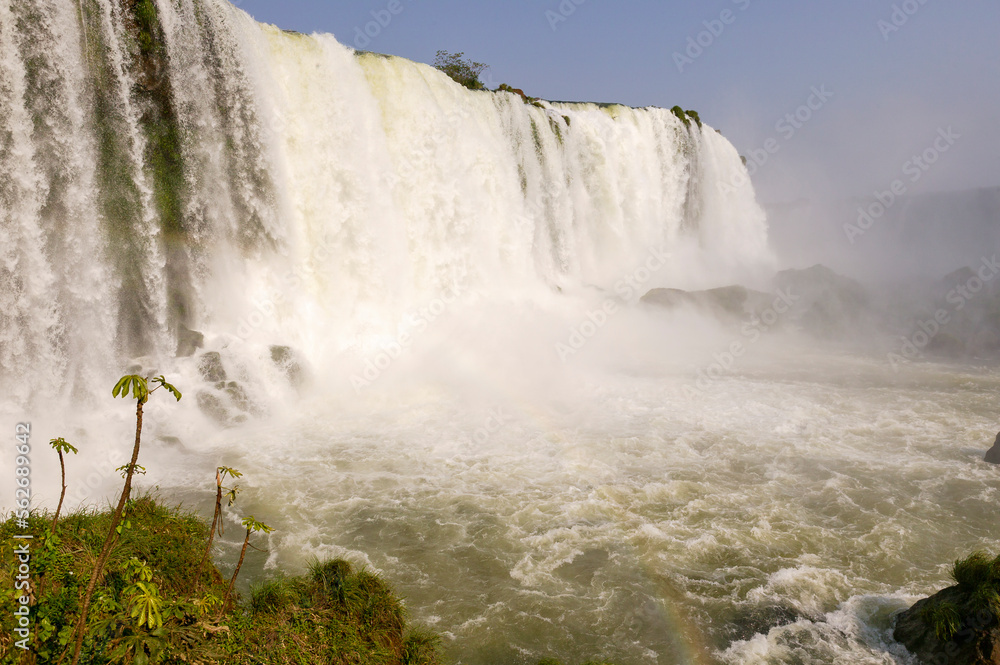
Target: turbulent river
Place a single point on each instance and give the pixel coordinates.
(409, 314)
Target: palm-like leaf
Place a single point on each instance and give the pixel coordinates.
(253, 525)
(134, 383)
(163, 382)
(147, 606)
(62, 446)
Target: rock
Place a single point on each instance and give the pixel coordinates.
(145, 367)
(517, 91)
(993, 454)
(210, 366)
(213, 406)
(188, 341)
(975, 642)
(288, 362)
(829, 305)
(172, 442)
(237, 394)
(727, 301)
(758, 620)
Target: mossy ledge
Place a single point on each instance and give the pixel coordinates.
(959, 625)
(334, 614)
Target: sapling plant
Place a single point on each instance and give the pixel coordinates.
(140, 391)
(252, 525)
(220, 475)
(61, 446)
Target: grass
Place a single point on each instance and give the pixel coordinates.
(978, 575)
(334, 614)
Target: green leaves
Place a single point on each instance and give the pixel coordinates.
(139, 387)
(60, 445)
(225, 470)
(134, 383)
(253, 525)
(146, 605)
(460, 69)
(163, 382)
(134, 469)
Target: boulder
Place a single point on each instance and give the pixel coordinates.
(974, 641)
(993, 454)
(210, 366)
(728, 301)
(285, 359)
(188, 342)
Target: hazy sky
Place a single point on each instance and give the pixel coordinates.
(927, 66)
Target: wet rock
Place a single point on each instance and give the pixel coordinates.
(210, 366)
(993, 454)
(727, 301)
(145, 367)
(288, 362)
(213, 406)
(976, 640)
(759, 620)
(188, 342)
(237, 394)
(172, 442)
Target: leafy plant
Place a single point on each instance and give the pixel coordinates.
(460, 69)
(139, 388)
(975, 570)
(61, 446)
(252, 526)
(220, 475)
(943, 619)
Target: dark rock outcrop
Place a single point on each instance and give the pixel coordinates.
(211, 368)
(758, 619)
(734, 302)
(993, 454)
(188, 342)
(289, 363)
(976, 640)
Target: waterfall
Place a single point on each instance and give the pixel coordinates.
(168, 165)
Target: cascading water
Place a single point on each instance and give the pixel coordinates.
(382, 264)
(170, 164)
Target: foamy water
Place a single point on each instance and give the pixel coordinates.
(536, 462)
(608, 510)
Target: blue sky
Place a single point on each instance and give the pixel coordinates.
(927, 66)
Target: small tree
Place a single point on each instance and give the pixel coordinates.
(139, 388)
(461, 70)
(252, 525)
(61, 446)
(220, 475)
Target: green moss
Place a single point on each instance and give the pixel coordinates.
(332, 615)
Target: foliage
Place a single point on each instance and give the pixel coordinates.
(324, 617)
(143, 611)
(943, 619)
(978, 575)
(60, 445)
(686, 116)
(139, 388)
(140, 612)
(461, 70)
